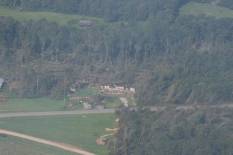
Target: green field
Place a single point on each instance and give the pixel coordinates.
(89, 91)
(30, 105)
(113, 102)
(59, 18)
(14, 146)
(79, 130)
(198, 9)
(47, 104)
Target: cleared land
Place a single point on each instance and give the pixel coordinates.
(82, 130)
(89, 91)
(198, 9)
(31, 105)
(59, 18)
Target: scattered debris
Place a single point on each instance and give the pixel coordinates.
(72, 90)
(117, 120)
(103, 139)
(87, 106)
(99, 141)
(86, 23)
(124, 101)
(117, 90)
(115, 130)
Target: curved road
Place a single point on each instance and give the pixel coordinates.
(46, 142)
(80, 112)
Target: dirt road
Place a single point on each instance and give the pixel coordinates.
(56, 113)
(80, 112)
(46, 142)
(110, 111)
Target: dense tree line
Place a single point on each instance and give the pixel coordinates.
(168, 57)
(172, 132)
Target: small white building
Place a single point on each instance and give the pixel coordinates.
(133, 90)
(117, 90)
(106, 87)
(86, 23)
(87, 106)
(73, 90)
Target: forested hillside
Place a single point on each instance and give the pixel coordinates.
(174, 52)
(172, 132)
(168, 55)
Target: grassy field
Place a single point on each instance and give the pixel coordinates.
(59, 18)
(47, 104)
(113, 102)
(89, 91)
(29, 105)
(80, 131)
(14, 146)
(197, 9)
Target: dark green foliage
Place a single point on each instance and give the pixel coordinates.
(203, 132)
(168, 57)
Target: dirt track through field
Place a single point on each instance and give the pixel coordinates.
(62, 146)
(55, 113)
(81, 112)
(111, 111)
